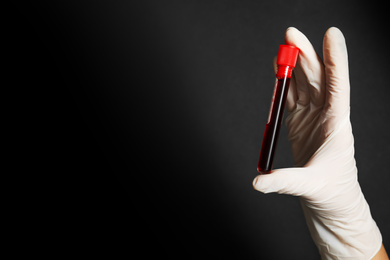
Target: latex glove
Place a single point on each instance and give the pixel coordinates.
(320, 134)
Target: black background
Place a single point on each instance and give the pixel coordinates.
(153, 116)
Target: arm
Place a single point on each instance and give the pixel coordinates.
(320, 133)
(381, 255)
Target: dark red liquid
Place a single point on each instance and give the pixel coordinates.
(272, 127)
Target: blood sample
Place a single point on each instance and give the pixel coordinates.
(286, 60)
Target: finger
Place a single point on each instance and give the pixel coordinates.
(303, 93)
(336, 72)
(310, 78)
(284, 181)
(292, 95)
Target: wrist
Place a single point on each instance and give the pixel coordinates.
(346, 236)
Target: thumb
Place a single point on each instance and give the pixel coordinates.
(284, 181)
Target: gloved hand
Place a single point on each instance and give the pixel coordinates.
(320, 133)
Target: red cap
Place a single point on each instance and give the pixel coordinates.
(287, 55)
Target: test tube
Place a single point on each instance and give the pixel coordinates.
(286, 60)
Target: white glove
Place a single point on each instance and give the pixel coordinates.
(320, 133)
